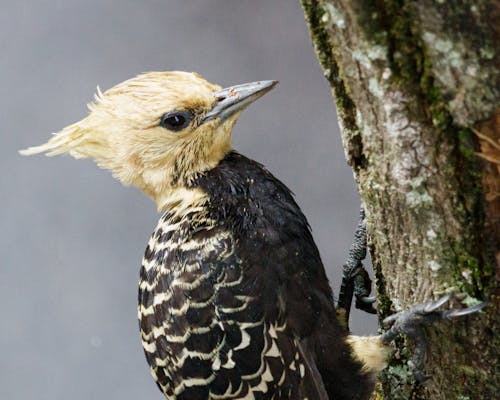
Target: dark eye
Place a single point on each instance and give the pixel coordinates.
(176, 120)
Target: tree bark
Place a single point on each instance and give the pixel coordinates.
(417, 89)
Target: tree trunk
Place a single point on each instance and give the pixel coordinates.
(417, 89)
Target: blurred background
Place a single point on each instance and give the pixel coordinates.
(72, 237)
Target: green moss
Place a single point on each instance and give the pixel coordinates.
(378, 395)
(325, 52)
(472, 274)
(398, 380)
(384, 306)
(474, 269)
(466, 262)
(405, 50)
(465, 138)
(467, 370)
(370, 19)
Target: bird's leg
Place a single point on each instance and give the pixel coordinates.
(411, 323)
(355, 279)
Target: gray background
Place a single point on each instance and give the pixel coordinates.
(72, 237)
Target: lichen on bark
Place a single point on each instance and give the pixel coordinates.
(412, 81)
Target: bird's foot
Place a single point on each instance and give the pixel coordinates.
(411, 323)
(355, 279)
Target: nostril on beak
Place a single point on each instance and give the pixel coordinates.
(224, 94)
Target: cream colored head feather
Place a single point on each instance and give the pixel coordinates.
(130, 129)
(123, 133)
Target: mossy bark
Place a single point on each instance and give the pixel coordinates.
(417, 89)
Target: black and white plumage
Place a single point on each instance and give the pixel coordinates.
(234, 300)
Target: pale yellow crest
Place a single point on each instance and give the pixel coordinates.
(122, 133)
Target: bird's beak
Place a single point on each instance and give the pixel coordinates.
(235, 98)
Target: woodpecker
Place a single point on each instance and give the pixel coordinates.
(234, 301)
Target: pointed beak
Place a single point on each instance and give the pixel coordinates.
(236, 98)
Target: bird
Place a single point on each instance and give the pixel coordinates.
(234, 300)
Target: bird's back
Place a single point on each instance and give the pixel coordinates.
(234, 301)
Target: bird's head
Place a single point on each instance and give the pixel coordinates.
(157, 131)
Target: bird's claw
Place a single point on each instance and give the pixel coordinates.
(362, 289)
(411, 323)
(368, 300)
(366, 304)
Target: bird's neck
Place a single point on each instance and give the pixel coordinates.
(167, 184)
(180, 199)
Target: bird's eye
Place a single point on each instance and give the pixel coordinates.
(176, 120)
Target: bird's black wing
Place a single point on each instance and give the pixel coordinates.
(204, 325)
